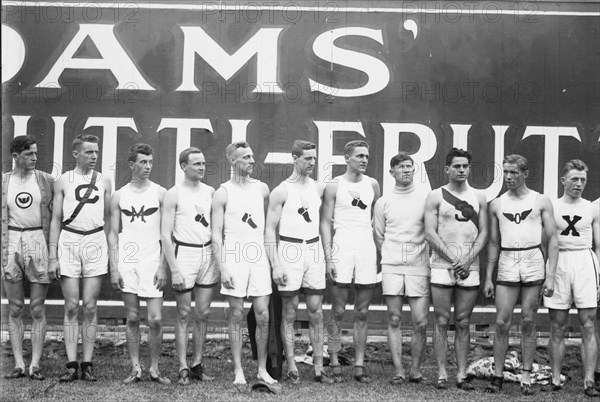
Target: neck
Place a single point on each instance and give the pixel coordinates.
(570, 199)
(404, 187)
(353, 176)
(139, 181)
(82, 170)
(297, 177)
(190, 182)
(457, 186)
(22, 173)
(240, 178)
(519, 191)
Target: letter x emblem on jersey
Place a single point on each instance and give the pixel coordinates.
(571, 225)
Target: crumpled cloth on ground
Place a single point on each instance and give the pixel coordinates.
(484, 368)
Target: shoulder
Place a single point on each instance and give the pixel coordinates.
(280, 192)
(210, 189)
(543, 201)
(435, 195)
(45, 176)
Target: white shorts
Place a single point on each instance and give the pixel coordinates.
(355, 258)
(404, 285)
(27, 257)
(576, 280)
(249, 266)
(304, 266)
(82, 255)
(521, 267)
(445, 278)
(137, 265)
(197, 265)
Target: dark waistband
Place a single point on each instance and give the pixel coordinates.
(180, 243)
(24, 229)
(295, 240)
(521, 249)
(83, 232)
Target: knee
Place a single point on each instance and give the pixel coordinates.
(155, 321)
(16, 310)
(133, 318)
(361, 314)
(89, 311)
(202, 315)
(503, 324)
(71, 310)
(462, 322)
(236, 315)
(394, 321)
(38, 312)
(420, 325)
(183, 314)
(288, 314)
(588, 328)
(262, 317)
(528, 327)
(442, 321)
(315, 315)
(337, 313)
(558, 329)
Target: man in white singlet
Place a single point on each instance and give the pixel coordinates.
(26, 200)
(519, 220)
(350, 252)
(187, 245)
(298, 260)
(78, 249)
(576, 278)
(398, 225)
(456, 230)
(238, 219)
(135, 257)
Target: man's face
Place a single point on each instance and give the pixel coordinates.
(87, 155)
(243, 161)
(459, 169)
(195, 167)
(26, 159)
(359, 160)
(306, 162)
(514, 177)
(142, 167)
(574, 182)
(403, 173)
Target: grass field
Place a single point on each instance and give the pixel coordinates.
(112, 365)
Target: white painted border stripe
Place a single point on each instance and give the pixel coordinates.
(254, 6)
(302, 306)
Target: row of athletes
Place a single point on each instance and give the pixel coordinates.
(429, 243)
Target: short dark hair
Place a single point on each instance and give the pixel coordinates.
(21, 143)
(349, 147)
(136, 149)
(185, 154)
(457, 153)
(233, 146)
(518, 160)
(575, 164)
(81, 138)
(300, 146)
(401, 157)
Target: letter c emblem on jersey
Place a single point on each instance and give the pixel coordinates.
(79, 195)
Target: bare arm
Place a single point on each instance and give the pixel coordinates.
(596, 227)
(55, 228)
(480, 241)
(326, 228)
(276, 201)
(552, 245)
(160, 277)
(113, 241)
(217, 216)
(107, 208)
(379, 223)
(493, 248)
(167, 222)
(431, 222)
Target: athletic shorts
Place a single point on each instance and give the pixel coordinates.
(355, 258)
(304, 266)
(197, 265)
(248, 264)
(137, 265)
(27, 257)
(404, 285)
(82, 255)
(446, 278)
(521, 267)
(576, 280)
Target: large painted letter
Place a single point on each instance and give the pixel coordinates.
(377, 72)
(113, 58)
(264, 44)
(13, 53)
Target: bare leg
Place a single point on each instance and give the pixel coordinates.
(464, 301)
(132, 311)
(184, 307)
(442, 301)
(589, 351)
(236, 312)
(334, 330)
(314, 305)
(419, 308)
(91, 292)
(506, 299)
(529, 306)
(289, 307)
(361, 308)
(154, 307)
(394, 309)
(261, 312)
(16, 301)
(203, 297)
(38, 314)
(70, 291)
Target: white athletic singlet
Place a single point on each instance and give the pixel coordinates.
(192, 215)
(520, 222)
(300, 213)
(91, 215)
(352, 209)
(23, 199)
(244, 218)
(573, 224)
(458, 217)
(140, 214)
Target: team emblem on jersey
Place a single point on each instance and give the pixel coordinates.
(200, 216)
(247, 218)
(143, 212)
(518, 217)
(356, 202)
(81, 197)
(571, 225)
(466, 210)
(23, 200)
(304, 209)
